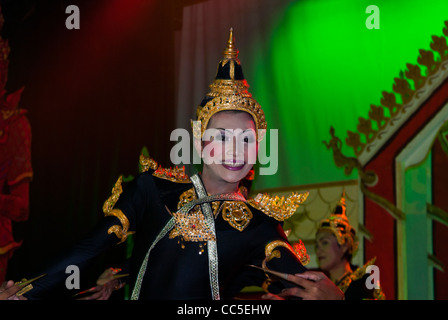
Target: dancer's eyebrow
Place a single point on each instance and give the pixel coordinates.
(229, 130)
(232, 130)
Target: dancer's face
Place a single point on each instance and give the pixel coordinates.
(229, 146)
(329, 253)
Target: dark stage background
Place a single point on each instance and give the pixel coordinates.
(95, 97)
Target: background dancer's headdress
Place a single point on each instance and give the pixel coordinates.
(339, 225)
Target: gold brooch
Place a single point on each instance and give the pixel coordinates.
(191, 227)
(237, 214)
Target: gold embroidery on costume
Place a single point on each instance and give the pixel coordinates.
(378, 294)
(191, 227)
(237, 214)
(172, 174)
(116, 191)
(120, 231)
(278, 208)
(349, 277)
(147, 163)
(357, 274)
(298, 250)
(189, 196)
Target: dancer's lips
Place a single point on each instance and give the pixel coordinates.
(233, 165)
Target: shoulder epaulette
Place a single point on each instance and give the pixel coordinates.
(172, 174)
(175, 174)
(147, 163)
(361, 271)
(278, 208)
(116, 192)
(354, 275)
(378, 293)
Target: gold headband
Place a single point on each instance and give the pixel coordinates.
(229, 91)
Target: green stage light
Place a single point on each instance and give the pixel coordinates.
(325, 68)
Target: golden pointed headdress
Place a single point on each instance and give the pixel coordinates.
(229, 91)
(339, 225)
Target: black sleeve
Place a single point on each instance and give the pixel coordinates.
(286, 262)
(132, 202)
(52, 285)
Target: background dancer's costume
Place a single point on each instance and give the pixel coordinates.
(188, 244)
(353, 283)
(15, 162)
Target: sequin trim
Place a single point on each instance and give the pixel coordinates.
(138, 283)
(278, 208)
(211, 244)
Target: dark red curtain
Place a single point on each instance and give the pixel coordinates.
(95, 96)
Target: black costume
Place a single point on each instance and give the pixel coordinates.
(353, 284)
(188, 244)
(179, 269)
